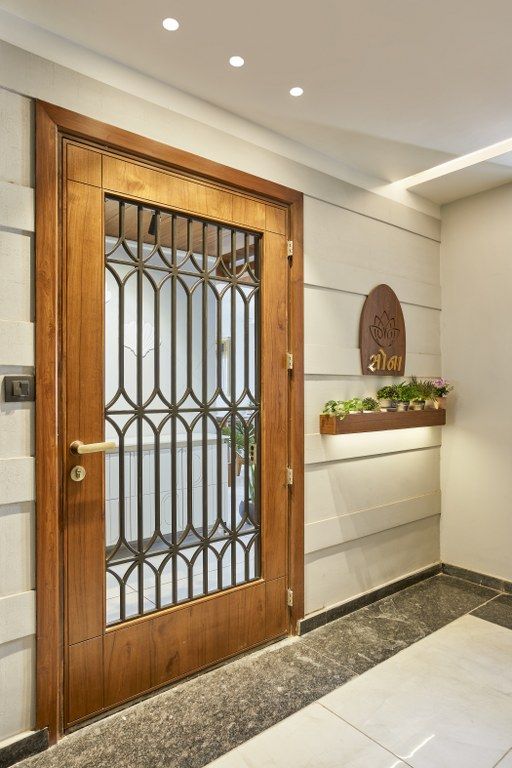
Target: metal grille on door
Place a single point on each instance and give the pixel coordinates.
(182, 403)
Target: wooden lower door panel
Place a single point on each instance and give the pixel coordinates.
(85, 679)
(198, 635)
(146, 654)
(127, 662)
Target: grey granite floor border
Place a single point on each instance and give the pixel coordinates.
(22, 748)
(267, 685)
(497, 611)
(493, 582)
(338, 611)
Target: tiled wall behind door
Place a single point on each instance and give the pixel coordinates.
(17, 605)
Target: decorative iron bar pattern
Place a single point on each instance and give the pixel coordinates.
(182, 402)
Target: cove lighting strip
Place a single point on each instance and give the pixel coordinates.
(457, 164)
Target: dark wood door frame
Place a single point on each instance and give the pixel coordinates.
(52, 123)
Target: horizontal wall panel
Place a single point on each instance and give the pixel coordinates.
(17, 480)
(16, 207)
(331, 318)
(340, 447)
(17, 616)
(17, 677)
(332, 360)
(342, 572)
(337, 489)
(16, 343)
(357, 525)
(16, 548)
(16, 428)
(354, 279)
(342, 236)
(16, 156)
(16, 272)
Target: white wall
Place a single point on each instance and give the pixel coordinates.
(477, 450)
(372, 505)
(17, 614)
(372, 500)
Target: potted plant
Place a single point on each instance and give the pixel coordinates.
(341, 408)
(403, 396)
(242, 460)
(355, 405)
(420, 392)
(369, 405)
(388, 397)
(441, 388)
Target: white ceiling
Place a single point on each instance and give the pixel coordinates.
(392, 87)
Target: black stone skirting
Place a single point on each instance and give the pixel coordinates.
(493, 582)
(337, 611)
(25, 747)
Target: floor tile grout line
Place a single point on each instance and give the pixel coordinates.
(477, 607)
(508, 752)
(366, 735)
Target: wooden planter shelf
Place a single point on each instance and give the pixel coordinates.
(381, 420)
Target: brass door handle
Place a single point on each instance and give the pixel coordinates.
(77, 447)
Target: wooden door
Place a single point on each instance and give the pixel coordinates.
(174, 349)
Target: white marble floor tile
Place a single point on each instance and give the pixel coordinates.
(444, 702)
(312, 738)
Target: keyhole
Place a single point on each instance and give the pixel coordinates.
(77, 474)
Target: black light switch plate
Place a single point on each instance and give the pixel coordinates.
(19, 389)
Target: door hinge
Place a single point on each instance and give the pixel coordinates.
(289, 598)
(289, 476)
(289, 361)
(289, 251)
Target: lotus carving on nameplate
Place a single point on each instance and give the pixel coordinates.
(384, 330)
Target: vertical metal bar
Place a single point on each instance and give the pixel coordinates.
(257, 395)
(246, 327)
(121, 385)
(220, 497)
(157, 531)
(233, 406)
(247, 469)
(220, 388)
(122, 599)
(140, 494)
(174, 500)
(190, 327)
(204, 399)
(157, 575)
(189, 315)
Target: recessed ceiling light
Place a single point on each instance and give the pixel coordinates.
(236, 61)
(171, 25)
(296, 91)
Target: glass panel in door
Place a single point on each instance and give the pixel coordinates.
(182, 404)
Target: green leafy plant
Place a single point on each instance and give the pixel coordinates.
(421, 390)
(403, 392)
(392, 392)
(239, 439)
(369, 404)
(340, 408)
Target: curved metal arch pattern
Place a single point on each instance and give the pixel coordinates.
(182, 401)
